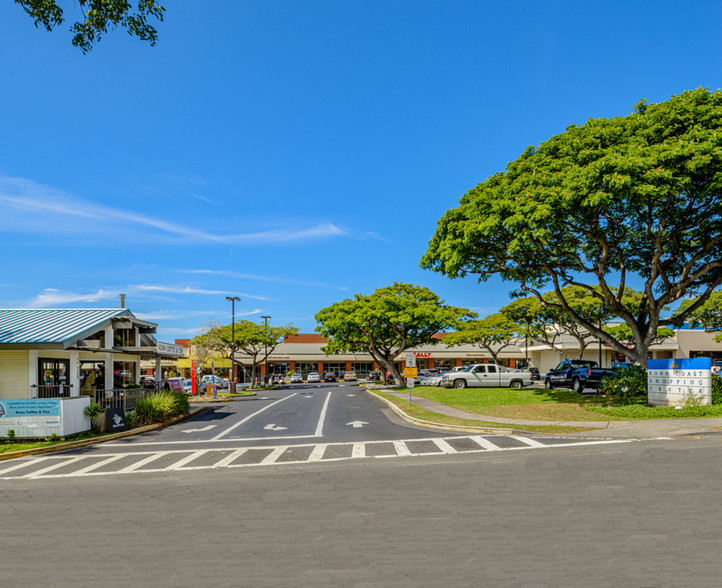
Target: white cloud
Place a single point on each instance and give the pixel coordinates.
(274, 279)
(189, 290)
(50, 297)
(31, 207)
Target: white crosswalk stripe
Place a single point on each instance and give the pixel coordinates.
(187, 459)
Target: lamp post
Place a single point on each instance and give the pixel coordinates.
(233, 300)
(265, 346)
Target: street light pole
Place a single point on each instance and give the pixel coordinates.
(233, 300)
(265, 346)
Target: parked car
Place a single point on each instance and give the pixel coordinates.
(296, 378)
(460, 368)
(276, 379)
(535, 375)
(187, 385)
(485, 375)
(313, 377)
(329, 377)
(148, 382)
(173, 384)
(576, 374)
(373, 376)
(350, 376)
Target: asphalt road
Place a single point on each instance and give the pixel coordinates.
(642, 514)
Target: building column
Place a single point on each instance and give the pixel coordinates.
(292, 366)
(320, 367)
(349, 366)
(109, 375)
(74, 375)
(33, 372)
(457, 362)
(431, 363)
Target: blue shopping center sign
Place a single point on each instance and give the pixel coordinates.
(29, 407)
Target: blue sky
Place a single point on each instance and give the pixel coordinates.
(294, 153)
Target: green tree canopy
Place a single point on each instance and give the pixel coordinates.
(387, 322)
(708, 315)
(637, 197)
(98, 17)
(493, 333)
(254, 339)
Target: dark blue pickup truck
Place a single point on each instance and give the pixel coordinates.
(576, 374)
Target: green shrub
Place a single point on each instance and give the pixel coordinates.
(716, 389)
(626, 383)
(92, 410)
(160, 407)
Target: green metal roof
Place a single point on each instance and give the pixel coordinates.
(59, 325)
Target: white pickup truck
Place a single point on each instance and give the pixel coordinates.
(487, 375)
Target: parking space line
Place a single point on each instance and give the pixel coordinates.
(485, 443)
(188, 458)
(401, 448)
(273, 456)
(142, 462)
(318, 452)
(444, 447)
(230, 458)
(38, 473)
(99, 464)
(249, 417)
(322, 417)
(359, 450)
(530, 442)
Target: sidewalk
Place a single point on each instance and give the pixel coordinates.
(611, 429)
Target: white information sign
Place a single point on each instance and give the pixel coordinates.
(410, 360)
(676, 382)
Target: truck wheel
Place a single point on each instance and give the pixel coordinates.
(577, 385)
(516, 384)
(548, 384)
(459, 384)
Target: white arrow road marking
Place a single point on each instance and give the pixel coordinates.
(273, 427)
(350, 394)
(207, 428)
(357, 424)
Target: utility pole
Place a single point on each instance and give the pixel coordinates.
(233, 300)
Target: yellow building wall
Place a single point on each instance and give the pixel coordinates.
(14, 375)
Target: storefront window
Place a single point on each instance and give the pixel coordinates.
(362, 368)
(123, 374)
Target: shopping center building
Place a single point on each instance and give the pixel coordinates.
(304, 353)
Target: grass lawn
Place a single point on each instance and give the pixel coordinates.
(416, 411)
(555, 405)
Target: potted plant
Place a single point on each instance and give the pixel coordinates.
(96, 415)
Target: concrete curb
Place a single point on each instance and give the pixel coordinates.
(94, 440)
(441, 426)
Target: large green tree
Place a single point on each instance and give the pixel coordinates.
(257, 340)
(546, 323)
(387, 322)
(493, 334)
(634, 199)
(98, 16)
(708, 315)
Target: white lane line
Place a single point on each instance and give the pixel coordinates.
(25, 464)
(322, 417)
(65, 462)
(530, 442)
(444, 447)
(359, 450)
(401, 448)
(488, 445)
(142, 462)
(273, 456)
(188, 458)
(99, 464)
(249, 417)
(199, 441)
(230, 458)
(318, 451)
